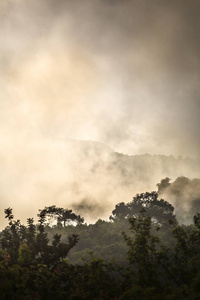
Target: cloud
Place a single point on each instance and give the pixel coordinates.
(124, 73)
(131, 63)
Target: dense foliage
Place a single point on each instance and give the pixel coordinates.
(160, 211)
(136, 255)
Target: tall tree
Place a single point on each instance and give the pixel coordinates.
(60, 215)
(159, 210)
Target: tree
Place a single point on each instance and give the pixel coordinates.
(32, 242)
(184, 193)
(164, 184)
(61, 215)
(160, 211)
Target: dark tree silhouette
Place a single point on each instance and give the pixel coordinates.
(17, 239)
(160, 211)
(61, 215)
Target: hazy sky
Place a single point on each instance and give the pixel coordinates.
(125, 73)
(122, 72)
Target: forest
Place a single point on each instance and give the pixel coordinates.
(141, 252)
(99, 150)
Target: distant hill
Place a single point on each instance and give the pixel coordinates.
(106, 177)
(87, 176)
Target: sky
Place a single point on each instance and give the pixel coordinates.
(121, 72)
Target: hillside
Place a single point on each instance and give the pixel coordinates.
(89, 177)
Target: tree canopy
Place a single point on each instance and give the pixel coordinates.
(60, 215)
(161, 262)
(159, 210)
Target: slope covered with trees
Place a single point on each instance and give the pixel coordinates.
(88, 177)
(140, 253)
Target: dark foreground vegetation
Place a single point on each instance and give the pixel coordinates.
(140, 253)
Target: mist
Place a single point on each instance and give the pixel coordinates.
(122, 73)
(184, 195)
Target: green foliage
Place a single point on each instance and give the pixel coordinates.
(142, 252)
(31, 243)
(156, 270)
(163, 259)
